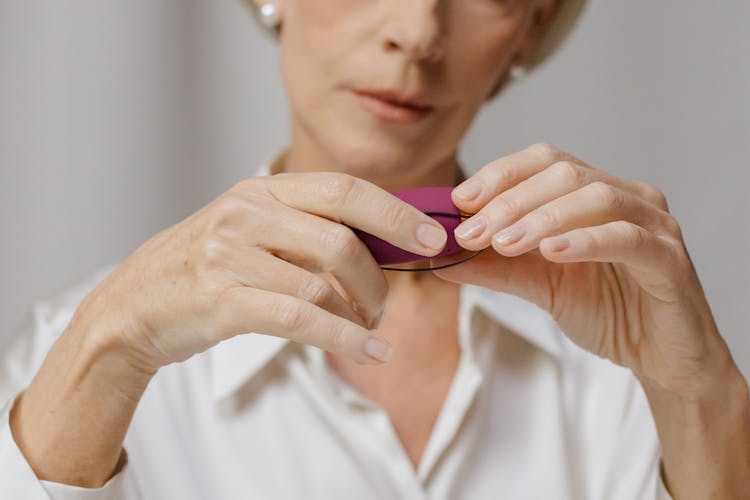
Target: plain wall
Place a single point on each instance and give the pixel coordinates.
(118, 119)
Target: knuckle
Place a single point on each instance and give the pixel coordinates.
(590, 241)
(547, 219)
(289, 314)
(341, 240)
(498, 173)
(570, 173)
(394, 214)
(503, 175)
(340, 339)
(227, 208)
(545, 152)
(508, 206)
(596, 240)
(338, 188)
(633, 235)
(213, 251)
(608, 195)
(653, 195)
(243, 185)
(316, 291)
(227, 204)
(672, 226)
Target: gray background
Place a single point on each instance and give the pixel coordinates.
(120, 118)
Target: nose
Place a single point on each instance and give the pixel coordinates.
(415, 29)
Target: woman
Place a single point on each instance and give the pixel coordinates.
(463, 382)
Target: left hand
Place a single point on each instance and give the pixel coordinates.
(612, 267)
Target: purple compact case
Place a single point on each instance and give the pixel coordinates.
(433, 201)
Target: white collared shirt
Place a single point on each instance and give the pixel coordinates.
(529, 415)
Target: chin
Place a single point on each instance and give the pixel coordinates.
(376, 160)
(375, 154)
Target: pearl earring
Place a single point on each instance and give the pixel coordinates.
(270, 15)
(517, 72)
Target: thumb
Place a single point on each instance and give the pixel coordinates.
(529, 276)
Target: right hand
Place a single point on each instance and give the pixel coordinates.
(249, 262)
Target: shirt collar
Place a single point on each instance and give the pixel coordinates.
(520, 316)
(235, 361)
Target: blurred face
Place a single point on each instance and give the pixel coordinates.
(384, 88)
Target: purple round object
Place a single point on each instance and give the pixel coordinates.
(426, 199)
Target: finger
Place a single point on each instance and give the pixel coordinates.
(644, 252)
(245, 309)
(260, 269)
(357, 203)
(504, 173)
(319, 245)
(510, 205)
(593, 204)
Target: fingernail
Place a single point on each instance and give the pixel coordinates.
(471, 228)
(431, 236)
(510, 235)
(378, 349)
(468, 190)
(559, 243)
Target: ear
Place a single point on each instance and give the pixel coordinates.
(542, 16)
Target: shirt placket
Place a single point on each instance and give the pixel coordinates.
(372, 420)
(366, 423)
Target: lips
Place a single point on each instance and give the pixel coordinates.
(394, 106)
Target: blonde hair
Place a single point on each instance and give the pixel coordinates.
(567, 13)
